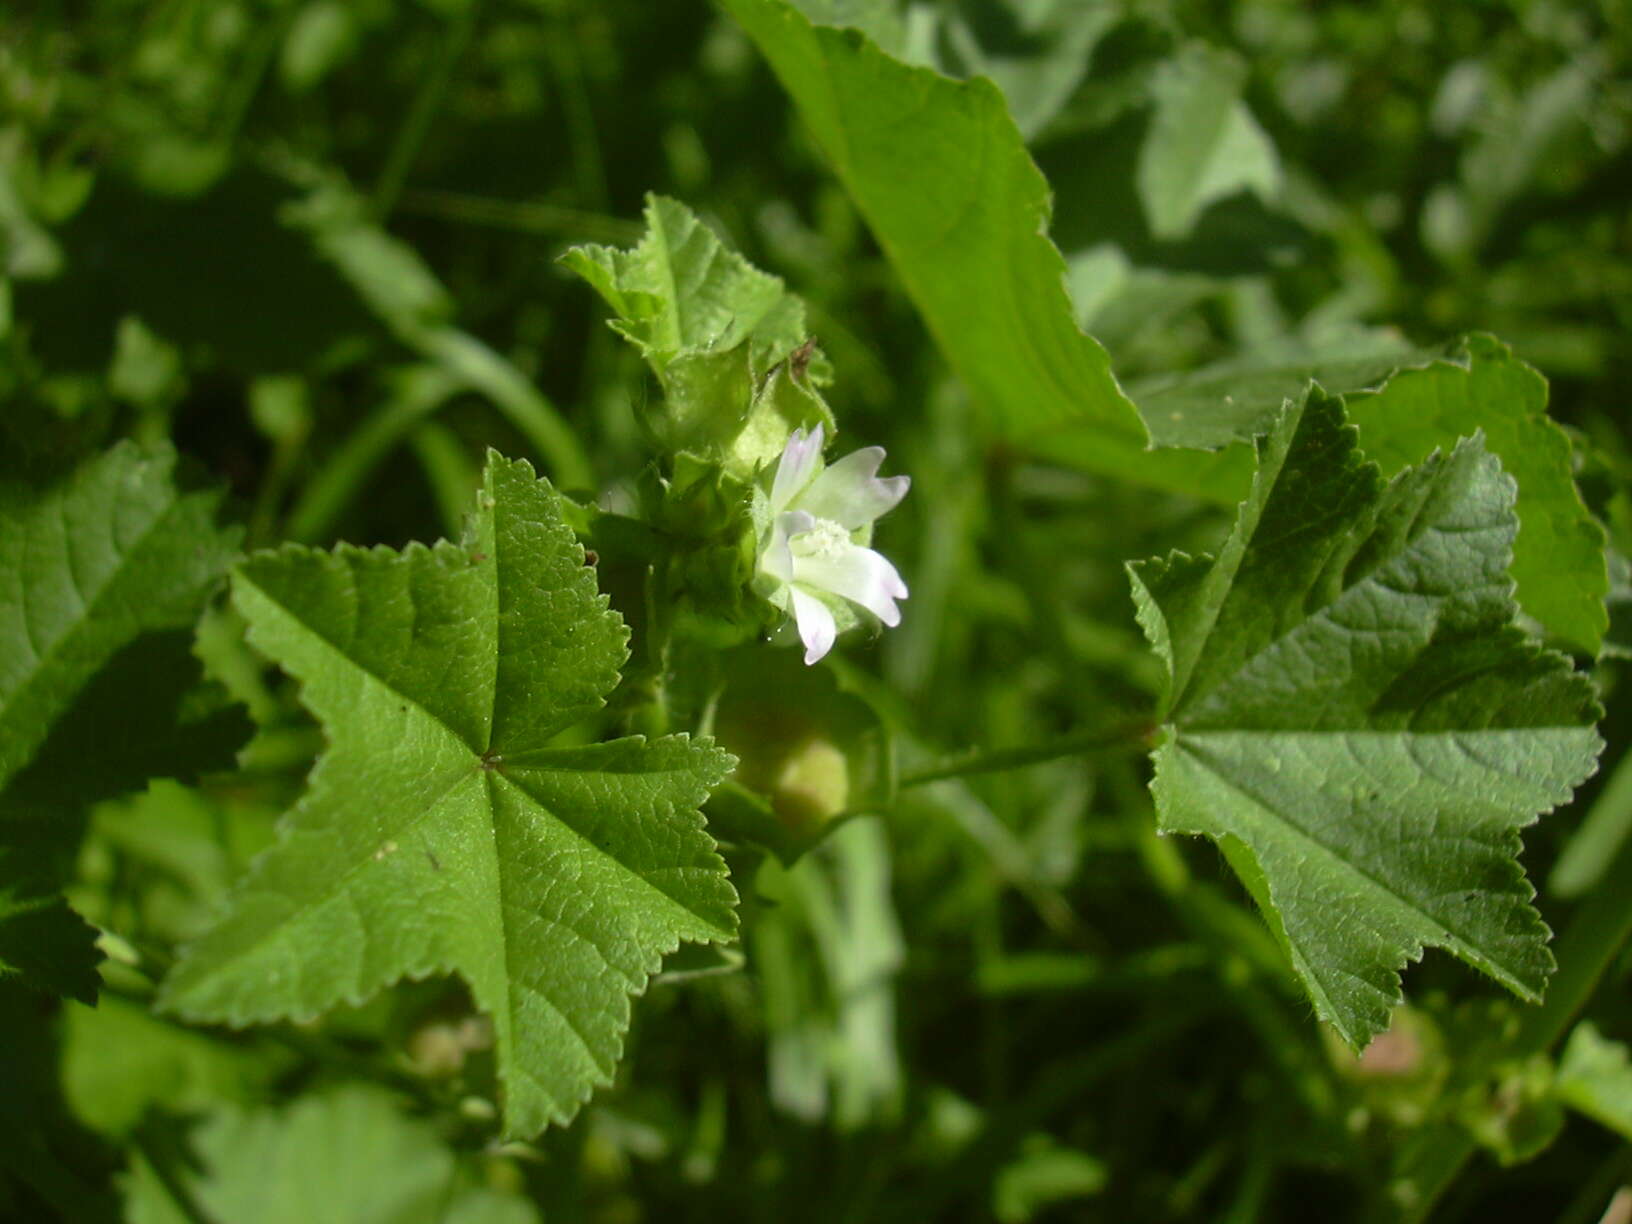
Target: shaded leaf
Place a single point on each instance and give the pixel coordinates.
(1595, 1078)
(1204, 143)
(1558, 558)
(1238, 399)
(88, 563)
(43, 943)
(102, 572)
(349, 1156)
(119, 1062)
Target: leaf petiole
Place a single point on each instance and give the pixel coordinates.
(1132, 735)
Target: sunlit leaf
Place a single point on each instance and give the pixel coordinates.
(443, 831)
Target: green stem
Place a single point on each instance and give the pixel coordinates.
(449, 471)
(163, 1166)
(1066, 1083)
(520, 216)
(287, 448)
(588, 166)
(411, 136)
(515, 396)
(246, 83)
(1431, 1161)
(659, 628)
(1130, 736)
(421, 392)
(1591, 848)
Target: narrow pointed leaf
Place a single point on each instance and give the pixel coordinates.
(1350, 701)
(941, 173)
(443, 831)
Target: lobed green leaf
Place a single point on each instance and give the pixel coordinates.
(1350, 703)
(445, 830)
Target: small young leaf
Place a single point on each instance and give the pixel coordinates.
(1349, 700)
(680, 292)
(443, 831)
(709, 323)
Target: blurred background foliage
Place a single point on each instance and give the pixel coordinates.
(314, 241)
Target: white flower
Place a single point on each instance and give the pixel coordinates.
(812, 549)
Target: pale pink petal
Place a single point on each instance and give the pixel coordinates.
(858, 574)
(850, 491)
(816, 626)
(797, 465)
(777, 558)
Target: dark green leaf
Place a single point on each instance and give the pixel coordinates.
(1350, 701)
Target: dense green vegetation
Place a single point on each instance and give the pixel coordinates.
(462, 761)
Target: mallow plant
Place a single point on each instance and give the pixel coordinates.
(628, 726)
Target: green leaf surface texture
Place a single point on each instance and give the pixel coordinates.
(680, 292)
(1237, 399)
(348, 1156)
(1350, 701)
(103, 571)
(1558, 558)
(941, 173)
(443, 830)
(88, 563)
